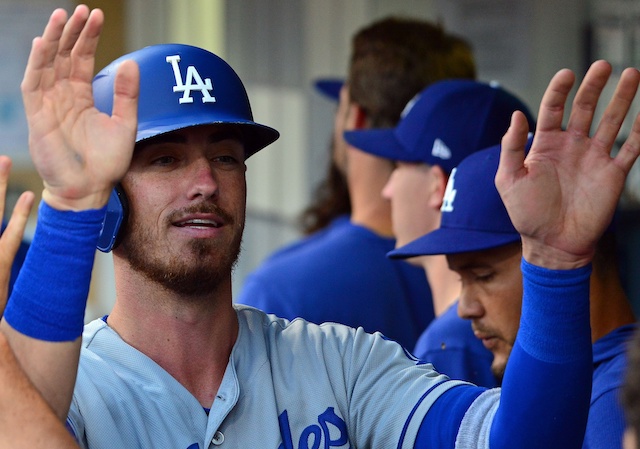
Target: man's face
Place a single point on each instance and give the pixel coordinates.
(187, 195)
(409, 190)
(491, 297)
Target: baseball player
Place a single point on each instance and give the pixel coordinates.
(441, 125)
(176, 364)
(483, 248)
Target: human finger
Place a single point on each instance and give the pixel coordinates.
(5, 168)
(70, 34)
(43, 50)
(551, 110)
(10, 242)
(586, 99)
(617, 110)
(512, 151)
(630, 149)
(83, 54)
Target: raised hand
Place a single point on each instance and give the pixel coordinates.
(14, 232)
(78, 151)
(562, 196)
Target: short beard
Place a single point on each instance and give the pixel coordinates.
(172, 272)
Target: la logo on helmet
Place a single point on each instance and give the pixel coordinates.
(194, 82)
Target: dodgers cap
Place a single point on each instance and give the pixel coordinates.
(474, 217)
(329, 87)
(444, 123)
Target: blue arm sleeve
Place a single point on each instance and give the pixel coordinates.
(606, 422)
(547, 383)
(49, 297)
(544, 400)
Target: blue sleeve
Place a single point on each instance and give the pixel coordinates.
(545, 394)
(606, 423)
(49, 297)
(547, 384)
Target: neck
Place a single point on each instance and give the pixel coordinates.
(444, 283)
(366, 177)
(190, 338)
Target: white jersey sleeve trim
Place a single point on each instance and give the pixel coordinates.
(475, 428)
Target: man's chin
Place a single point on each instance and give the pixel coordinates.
(498, 371)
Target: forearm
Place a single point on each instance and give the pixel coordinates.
(26, 421)
(547, 384)
(45, 314)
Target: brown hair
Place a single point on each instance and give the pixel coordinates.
(395, 58)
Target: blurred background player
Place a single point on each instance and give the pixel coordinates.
(331, 195)
(341, 273)
(443, 124)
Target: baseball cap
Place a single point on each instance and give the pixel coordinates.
(444, 123)
(329, 87)
(474, 217)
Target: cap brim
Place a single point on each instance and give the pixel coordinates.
(329, 87)
(379, 142)
(452, 241)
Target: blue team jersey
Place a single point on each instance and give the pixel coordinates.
(341, 274)
(450, 345)
(606, 419)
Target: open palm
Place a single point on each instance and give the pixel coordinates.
(79, 152)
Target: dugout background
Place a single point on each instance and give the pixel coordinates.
(279, 47)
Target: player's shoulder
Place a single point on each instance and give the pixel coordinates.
(271, 331)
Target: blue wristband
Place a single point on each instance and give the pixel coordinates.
(555, 325)
(49, 297)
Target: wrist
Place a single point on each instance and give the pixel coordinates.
(546, 256)
(95, 200)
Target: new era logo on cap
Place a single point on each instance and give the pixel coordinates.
(440, 150)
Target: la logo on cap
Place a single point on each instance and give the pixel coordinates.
(449, 193)
(192, 75)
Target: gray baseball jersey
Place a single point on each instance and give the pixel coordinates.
(288, 385)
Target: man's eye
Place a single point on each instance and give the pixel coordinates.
(226, 159)
(163, 160)
(228, 162)
(484, 277)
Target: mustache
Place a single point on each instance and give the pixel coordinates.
(202, 208)
(482, 329)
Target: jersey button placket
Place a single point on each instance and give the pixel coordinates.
(218, 438)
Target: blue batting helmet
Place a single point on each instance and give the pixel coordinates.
(180, 86)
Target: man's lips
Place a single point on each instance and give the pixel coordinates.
(488, 340)
(198, 223)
